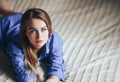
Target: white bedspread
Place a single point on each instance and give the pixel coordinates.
(90, 30)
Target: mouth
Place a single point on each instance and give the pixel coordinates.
(39, 41)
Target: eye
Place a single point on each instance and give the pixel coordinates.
(43, 29)
(32, 31)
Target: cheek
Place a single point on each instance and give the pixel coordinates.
(46, 38)
(46, 35)
(31, 38)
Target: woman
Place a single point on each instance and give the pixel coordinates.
(32, 43)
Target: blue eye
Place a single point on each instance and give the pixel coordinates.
(43, 29)
(32, 31)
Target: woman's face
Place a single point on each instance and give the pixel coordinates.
(37, 32)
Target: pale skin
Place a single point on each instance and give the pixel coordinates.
(5, 9)
(37, 32)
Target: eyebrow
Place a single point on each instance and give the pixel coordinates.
(31, 28)
(35, 28)
(43, 26)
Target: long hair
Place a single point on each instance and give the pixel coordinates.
(31, 59)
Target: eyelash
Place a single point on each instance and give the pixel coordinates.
(42, 30)
(31, 31)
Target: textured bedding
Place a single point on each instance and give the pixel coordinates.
(90, 30)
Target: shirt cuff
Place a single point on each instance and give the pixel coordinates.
(57, 73)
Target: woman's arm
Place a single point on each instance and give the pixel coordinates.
(16, 57)
(9, 26)
(55, 59)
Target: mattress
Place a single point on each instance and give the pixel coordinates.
(90, 30)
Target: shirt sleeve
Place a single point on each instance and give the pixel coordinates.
(11, 44)
(9, 26)
(56, 66)
(16, 57)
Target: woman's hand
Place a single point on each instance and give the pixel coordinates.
(31, 80)
(53, 78)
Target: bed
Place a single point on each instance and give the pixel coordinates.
(90, 30)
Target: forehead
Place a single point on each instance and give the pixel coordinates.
(35, 23)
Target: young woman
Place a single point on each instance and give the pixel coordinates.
(28, 40)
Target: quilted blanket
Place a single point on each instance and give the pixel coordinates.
(90, 30)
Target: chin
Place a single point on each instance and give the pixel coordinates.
(38, 47)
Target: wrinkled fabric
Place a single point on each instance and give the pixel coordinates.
(50, 54)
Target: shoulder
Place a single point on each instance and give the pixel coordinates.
(54, 41)
(55, 36)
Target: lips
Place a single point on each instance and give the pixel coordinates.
(39, 41)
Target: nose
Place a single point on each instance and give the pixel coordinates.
(39, 35)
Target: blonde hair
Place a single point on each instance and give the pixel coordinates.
(31, 59)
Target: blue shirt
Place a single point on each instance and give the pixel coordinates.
(51, 53)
